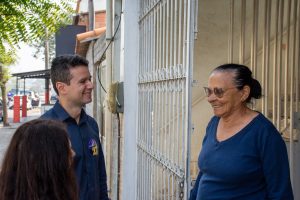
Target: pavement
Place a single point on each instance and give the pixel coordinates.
(7, 132)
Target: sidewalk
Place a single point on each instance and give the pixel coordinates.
(7, 132)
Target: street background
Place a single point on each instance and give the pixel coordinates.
(7, 132)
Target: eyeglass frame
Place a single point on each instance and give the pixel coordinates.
(219, 92)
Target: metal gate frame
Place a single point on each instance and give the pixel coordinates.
(164, 102)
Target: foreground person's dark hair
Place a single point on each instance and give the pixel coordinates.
(37, 164)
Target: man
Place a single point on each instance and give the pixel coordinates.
(71, 81)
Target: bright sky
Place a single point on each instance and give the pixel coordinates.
(26, 62)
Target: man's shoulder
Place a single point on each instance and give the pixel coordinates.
(49, 114)
(91, 120)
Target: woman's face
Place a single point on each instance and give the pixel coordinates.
(223, 95)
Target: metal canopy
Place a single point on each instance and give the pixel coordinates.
(44, 74)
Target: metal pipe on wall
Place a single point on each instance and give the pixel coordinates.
(189, 78)
(107, 115)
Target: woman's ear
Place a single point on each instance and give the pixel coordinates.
(246, 92)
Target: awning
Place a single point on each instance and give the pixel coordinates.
(44, 74)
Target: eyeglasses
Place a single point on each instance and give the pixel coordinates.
(219, 92)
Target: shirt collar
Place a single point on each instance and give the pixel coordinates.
(63, 115)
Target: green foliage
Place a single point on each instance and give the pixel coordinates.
(39, 47)
(7, 57)
(26, 20)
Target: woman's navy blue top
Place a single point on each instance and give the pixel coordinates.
(251, 165)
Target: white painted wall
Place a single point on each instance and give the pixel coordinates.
(130, 39)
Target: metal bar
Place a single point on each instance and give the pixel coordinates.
(292, 91)
(180, 40)
(265, 62)
(178, 120)
(164, 35)
(176, 16)
(286, 66)
(160, 36)
(268, 51)
(174, 124)
(184, 35)
(242, 32)
(167, 18)
(156, 25)
(254, 35)
(279, 64)
(230, 35)
(275, 68)
(146, 13)
(171, 33)
(298, 61)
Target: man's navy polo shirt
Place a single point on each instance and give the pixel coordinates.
(89, 160)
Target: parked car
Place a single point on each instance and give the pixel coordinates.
(29, 105)
(35, 100)
(53, 99)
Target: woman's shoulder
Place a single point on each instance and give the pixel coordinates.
(265, 129)
(263, 122)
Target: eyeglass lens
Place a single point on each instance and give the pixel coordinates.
(217, 91)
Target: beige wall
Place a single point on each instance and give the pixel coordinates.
(209, 52)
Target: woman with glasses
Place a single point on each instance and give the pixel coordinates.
(38, 164)
(243, 156)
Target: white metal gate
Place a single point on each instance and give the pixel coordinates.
(164, 99)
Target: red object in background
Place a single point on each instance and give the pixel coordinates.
(47, 97)
(24, 106)
(16, 109)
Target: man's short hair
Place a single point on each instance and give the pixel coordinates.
(60, 68)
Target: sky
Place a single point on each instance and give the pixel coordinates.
(26, 62)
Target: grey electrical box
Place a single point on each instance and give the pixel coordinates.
(120, 97)
(296, 123)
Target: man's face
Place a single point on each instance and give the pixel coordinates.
(79, 92)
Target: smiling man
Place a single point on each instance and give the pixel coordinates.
(71, 81)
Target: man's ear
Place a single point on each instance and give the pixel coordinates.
(60, 86)
(246, 92)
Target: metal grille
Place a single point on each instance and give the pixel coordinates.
(163, 104)
(268, 31)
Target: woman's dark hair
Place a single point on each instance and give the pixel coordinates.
(243, 76)
(38, 164)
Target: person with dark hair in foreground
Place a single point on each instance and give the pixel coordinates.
(243, 156)
(71, 81)
(38, 164)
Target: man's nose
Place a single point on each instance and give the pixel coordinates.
(90, 84)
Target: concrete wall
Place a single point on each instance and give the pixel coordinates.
(209, 52)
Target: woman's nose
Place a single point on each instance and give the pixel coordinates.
(211, 97)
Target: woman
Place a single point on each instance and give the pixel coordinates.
(243, 155)
(38, 164)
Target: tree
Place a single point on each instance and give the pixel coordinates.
(26, 20)
(7, 57)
